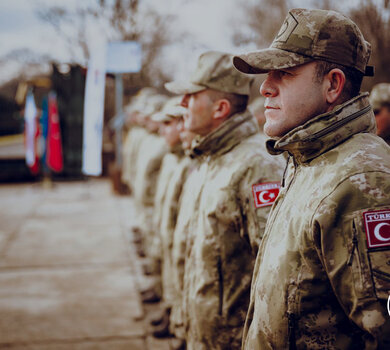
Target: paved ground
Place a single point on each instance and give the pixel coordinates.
(69, 277)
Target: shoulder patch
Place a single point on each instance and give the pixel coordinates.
(265, 194)
(377, 225)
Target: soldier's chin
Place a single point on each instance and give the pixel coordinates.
(272, 130)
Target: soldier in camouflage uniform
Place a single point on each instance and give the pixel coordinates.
(321, 279)
(151, 151)
(380, 102)
(173, 171)
(183, 213)
(225, 225)
(135, 113)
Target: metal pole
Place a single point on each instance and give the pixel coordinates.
(119, 113)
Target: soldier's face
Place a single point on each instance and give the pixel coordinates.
(199, 117)
(382, 118)
(293, 96)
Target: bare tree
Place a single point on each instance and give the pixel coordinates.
(262, 21)
(122, 20)
(374, 21)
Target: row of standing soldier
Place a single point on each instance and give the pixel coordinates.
(317, 274)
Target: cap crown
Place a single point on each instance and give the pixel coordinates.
(324, 35)
(380, 95)
(215, 70)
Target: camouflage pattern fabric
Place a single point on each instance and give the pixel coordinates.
(214, 71)
(150, 156)
(317, 284)
(167, 226)
(308, 35)
(224, 231)
(186, 208)
(168, 166)
(380, 95)
(131, 146)
(167, 169)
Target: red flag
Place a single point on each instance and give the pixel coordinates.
(54, 148)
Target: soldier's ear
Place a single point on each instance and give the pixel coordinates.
(334, 85)
(222, 109)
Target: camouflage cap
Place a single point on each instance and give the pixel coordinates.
(214, 71)
(171, 110)
(380, 95)
(153, 104)
(308, 35)
(139, 100)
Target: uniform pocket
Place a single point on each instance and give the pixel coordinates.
(380, 268)
(372, 249)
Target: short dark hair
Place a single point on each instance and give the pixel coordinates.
(238, 102)
(353, 78)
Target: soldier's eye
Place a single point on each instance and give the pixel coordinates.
(284, 73)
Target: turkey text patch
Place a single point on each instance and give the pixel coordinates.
(377, 225)
(265, 194)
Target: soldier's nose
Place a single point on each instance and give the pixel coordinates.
(184, 101)
(267, 89)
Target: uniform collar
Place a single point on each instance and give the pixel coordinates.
(177, 150)
(237, 128)
(327, 130)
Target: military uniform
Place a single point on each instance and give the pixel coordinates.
(151, 153)
(131, 151)
(219, 226)
(168, 221)
(224, 232)
(380, 102)
(186, 207)
(321, 278)
(321, 286)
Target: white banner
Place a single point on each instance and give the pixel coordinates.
(115, 57)
(30, 114)
(94, 112)
(124, 57)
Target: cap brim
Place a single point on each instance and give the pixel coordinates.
(183, 87)
(160, 117)
(263, 61)
(176, 112)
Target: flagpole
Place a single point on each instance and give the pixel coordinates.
(119, 114)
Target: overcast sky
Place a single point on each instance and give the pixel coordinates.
(209, 22)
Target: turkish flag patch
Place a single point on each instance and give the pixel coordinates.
(377, 223)
(265, 194)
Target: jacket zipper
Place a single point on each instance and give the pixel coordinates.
(355, 247)
(220, 280)
(285, 170)
(338, 124)
(291, 331)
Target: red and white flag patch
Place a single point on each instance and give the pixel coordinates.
(377, 224)
(265, 194)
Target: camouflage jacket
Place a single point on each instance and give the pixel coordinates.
(168, 221)
(318, 283)
(186, 207)
(150, 154)
(168, 167)
(131, 148)
(224, 232)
